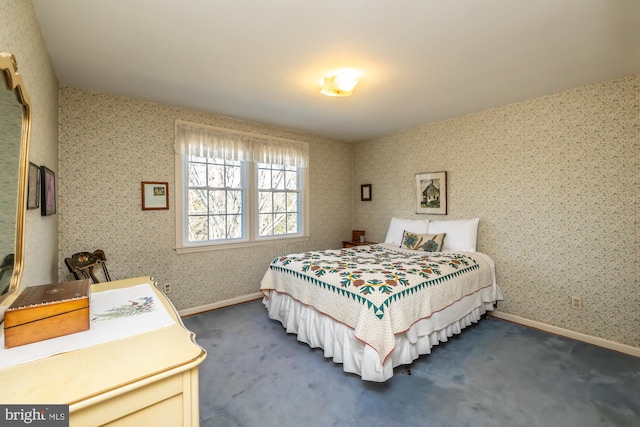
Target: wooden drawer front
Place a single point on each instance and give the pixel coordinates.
(165, 413)
(143, 400)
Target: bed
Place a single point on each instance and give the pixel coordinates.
(372, 308)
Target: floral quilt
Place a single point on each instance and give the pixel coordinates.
(376, 290)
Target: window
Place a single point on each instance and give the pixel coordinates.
(235, 189)
(216, 196)
(278, 200)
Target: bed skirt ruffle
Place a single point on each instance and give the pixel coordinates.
(339, 342)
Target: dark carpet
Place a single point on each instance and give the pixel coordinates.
(495, 373)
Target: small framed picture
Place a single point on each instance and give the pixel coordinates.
(431, 193)
(155, 195)
(365, 192)
(48, 191)
(33, 188)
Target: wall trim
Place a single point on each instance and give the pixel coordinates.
(590, 339)
(220, 304)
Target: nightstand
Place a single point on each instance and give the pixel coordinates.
(352, 243)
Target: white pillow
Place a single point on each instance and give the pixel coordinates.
(397, 226)
(462, 235)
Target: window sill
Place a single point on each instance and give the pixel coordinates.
(224, 246)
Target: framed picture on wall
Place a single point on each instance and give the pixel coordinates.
(33, 188)
(155, 195)
(365, 192)
(48, 191)
(431, 193)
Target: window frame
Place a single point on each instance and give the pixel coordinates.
(250, 216)
(257, 190)
(242, 187)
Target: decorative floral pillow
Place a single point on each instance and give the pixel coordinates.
(422, 242)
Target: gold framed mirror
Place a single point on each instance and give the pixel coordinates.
(15, 127)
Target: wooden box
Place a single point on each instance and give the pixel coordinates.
(47, 311)
(355, 235)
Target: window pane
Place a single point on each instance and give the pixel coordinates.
(264, 178)
(197, 175)
(197, 202)
(217, 202)
(197, 228)
(279, 224)
(217, 227)
(265, 224)
(279, 202)
(216, 176)
(234, 202)
(265, 202)
(234, 177)
(291, 180)
(234, 226)
(292, 223)
(278, 179)
(292, 202)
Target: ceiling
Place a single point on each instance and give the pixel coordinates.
(421, 60)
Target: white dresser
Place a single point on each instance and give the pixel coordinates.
(147, 379)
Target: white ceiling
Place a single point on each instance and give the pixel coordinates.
(263, 61)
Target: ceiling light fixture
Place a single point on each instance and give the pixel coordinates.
(340, 82)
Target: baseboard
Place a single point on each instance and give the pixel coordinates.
(601, 342)
(220, 304)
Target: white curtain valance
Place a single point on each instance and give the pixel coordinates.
(205, 141)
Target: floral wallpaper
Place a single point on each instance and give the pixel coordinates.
(20, 35)
(110, 144)
(556, 183)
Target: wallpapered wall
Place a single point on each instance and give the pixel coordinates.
(109, 144)
(556, 183)
(20, 35)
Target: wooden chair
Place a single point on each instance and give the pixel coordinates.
(81, 264)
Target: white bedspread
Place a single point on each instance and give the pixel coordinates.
(339, 343)
(380, 291)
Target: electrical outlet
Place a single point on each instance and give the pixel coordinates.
(167, 288)
(576, 302)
